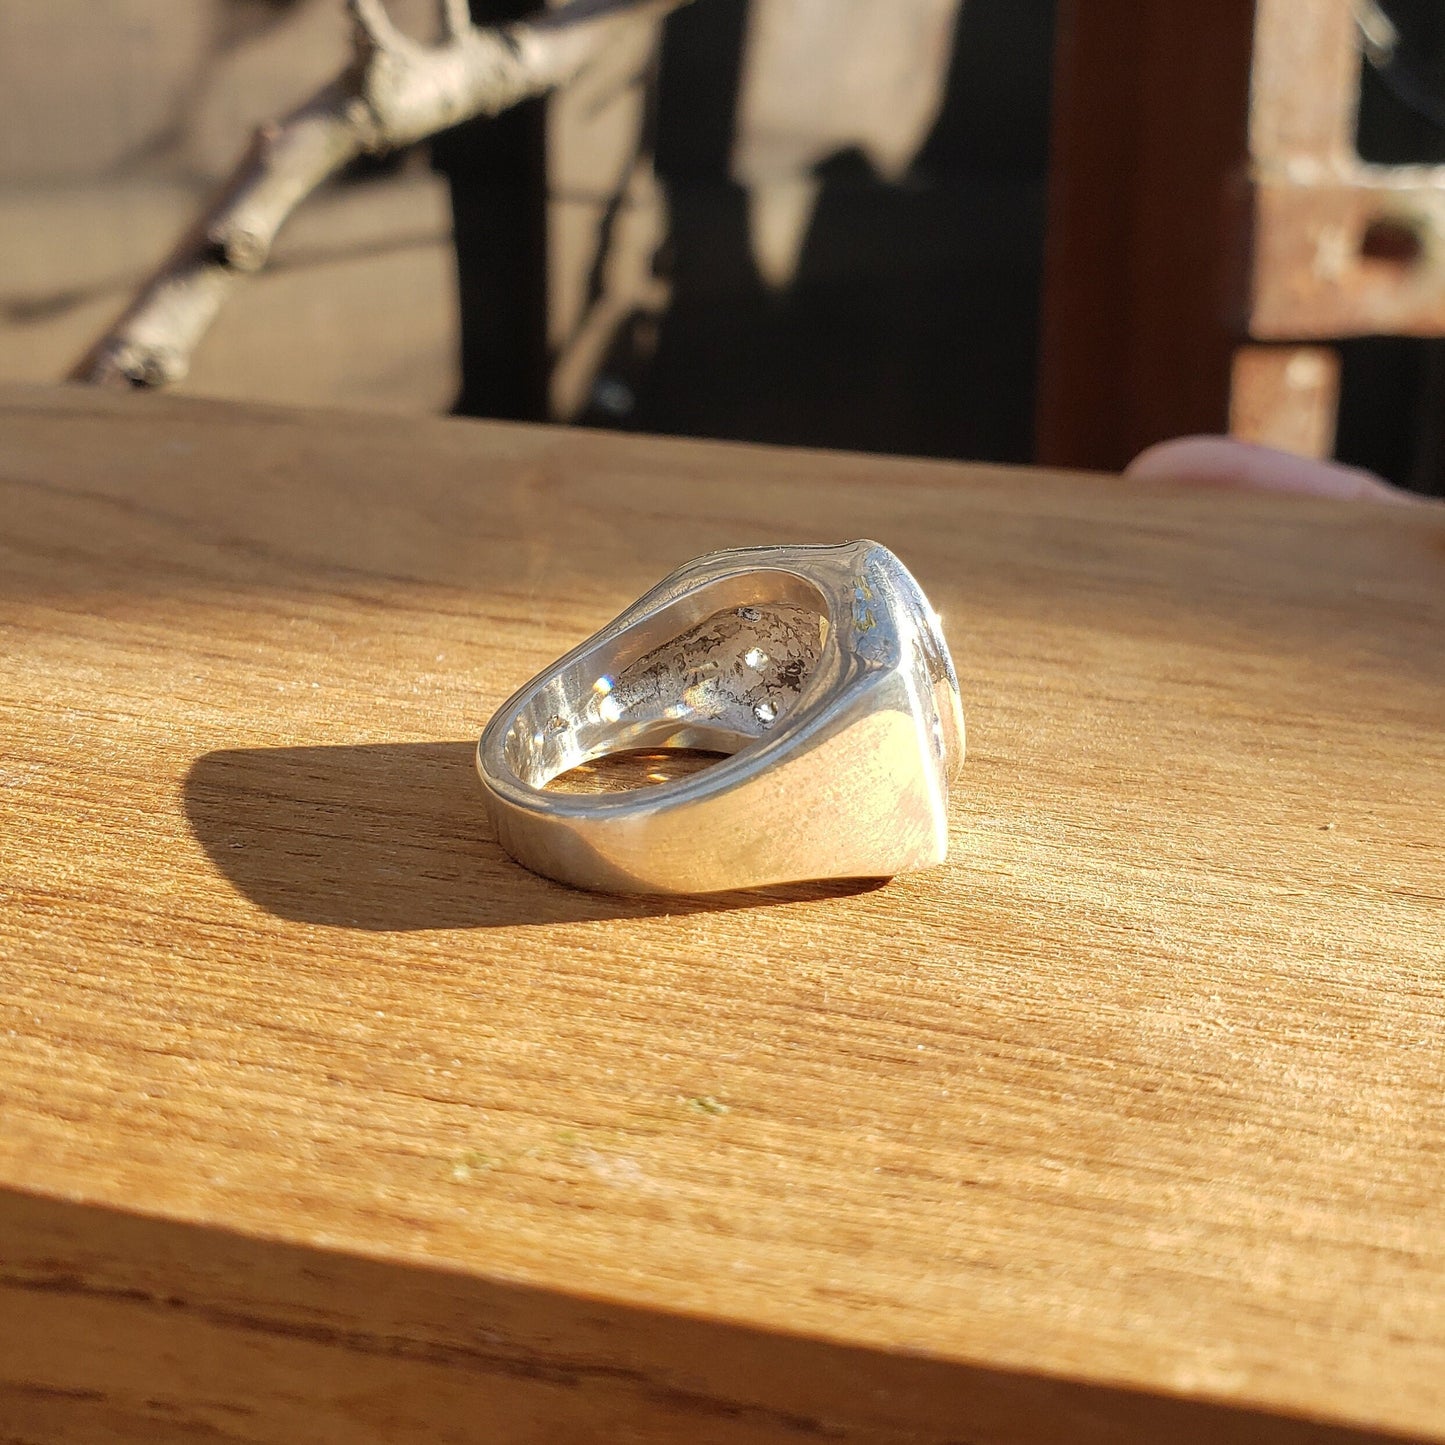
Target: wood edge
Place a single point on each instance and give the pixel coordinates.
(111, 1313)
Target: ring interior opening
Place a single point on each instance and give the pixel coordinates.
(712, 685)
(629, 771)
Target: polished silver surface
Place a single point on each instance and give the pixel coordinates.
(821, 671)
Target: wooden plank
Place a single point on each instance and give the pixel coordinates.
(324, 1121)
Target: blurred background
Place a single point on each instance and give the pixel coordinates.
(1005, 230)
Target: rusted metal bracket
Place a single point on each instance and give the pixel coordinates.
(1340, 248)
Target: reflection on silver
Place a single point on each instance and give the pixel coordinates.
(821, 671)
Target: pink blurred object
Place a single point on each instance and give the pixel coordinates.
(1211, 461)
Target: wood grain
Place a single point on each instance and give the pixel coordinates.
(324, 1122)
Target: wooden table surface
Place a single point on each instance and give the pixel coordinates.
(323, 1121)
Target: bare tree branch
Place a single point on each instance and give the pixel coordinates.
(395, 91)
(375, 30)
(455, 18)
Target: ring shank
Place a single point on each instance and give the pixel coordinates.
(805, 665)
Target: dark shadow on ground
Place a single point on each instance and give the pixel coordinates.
(394, 837)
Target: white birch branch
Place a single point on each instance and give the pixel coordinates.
(395, 91)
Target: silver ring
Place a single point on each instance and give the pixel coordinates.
(823, 674)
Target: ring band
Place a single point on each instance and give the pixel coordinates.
(821, 671)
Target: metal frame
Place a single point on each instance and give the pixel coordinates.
(1211, 223)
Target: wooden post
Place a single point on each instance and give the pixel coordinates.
(1143, 302)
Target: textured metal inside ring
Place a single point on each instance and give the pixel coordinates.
(720, 685)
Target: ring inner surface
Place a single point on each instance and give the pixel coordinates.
(719, 684)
